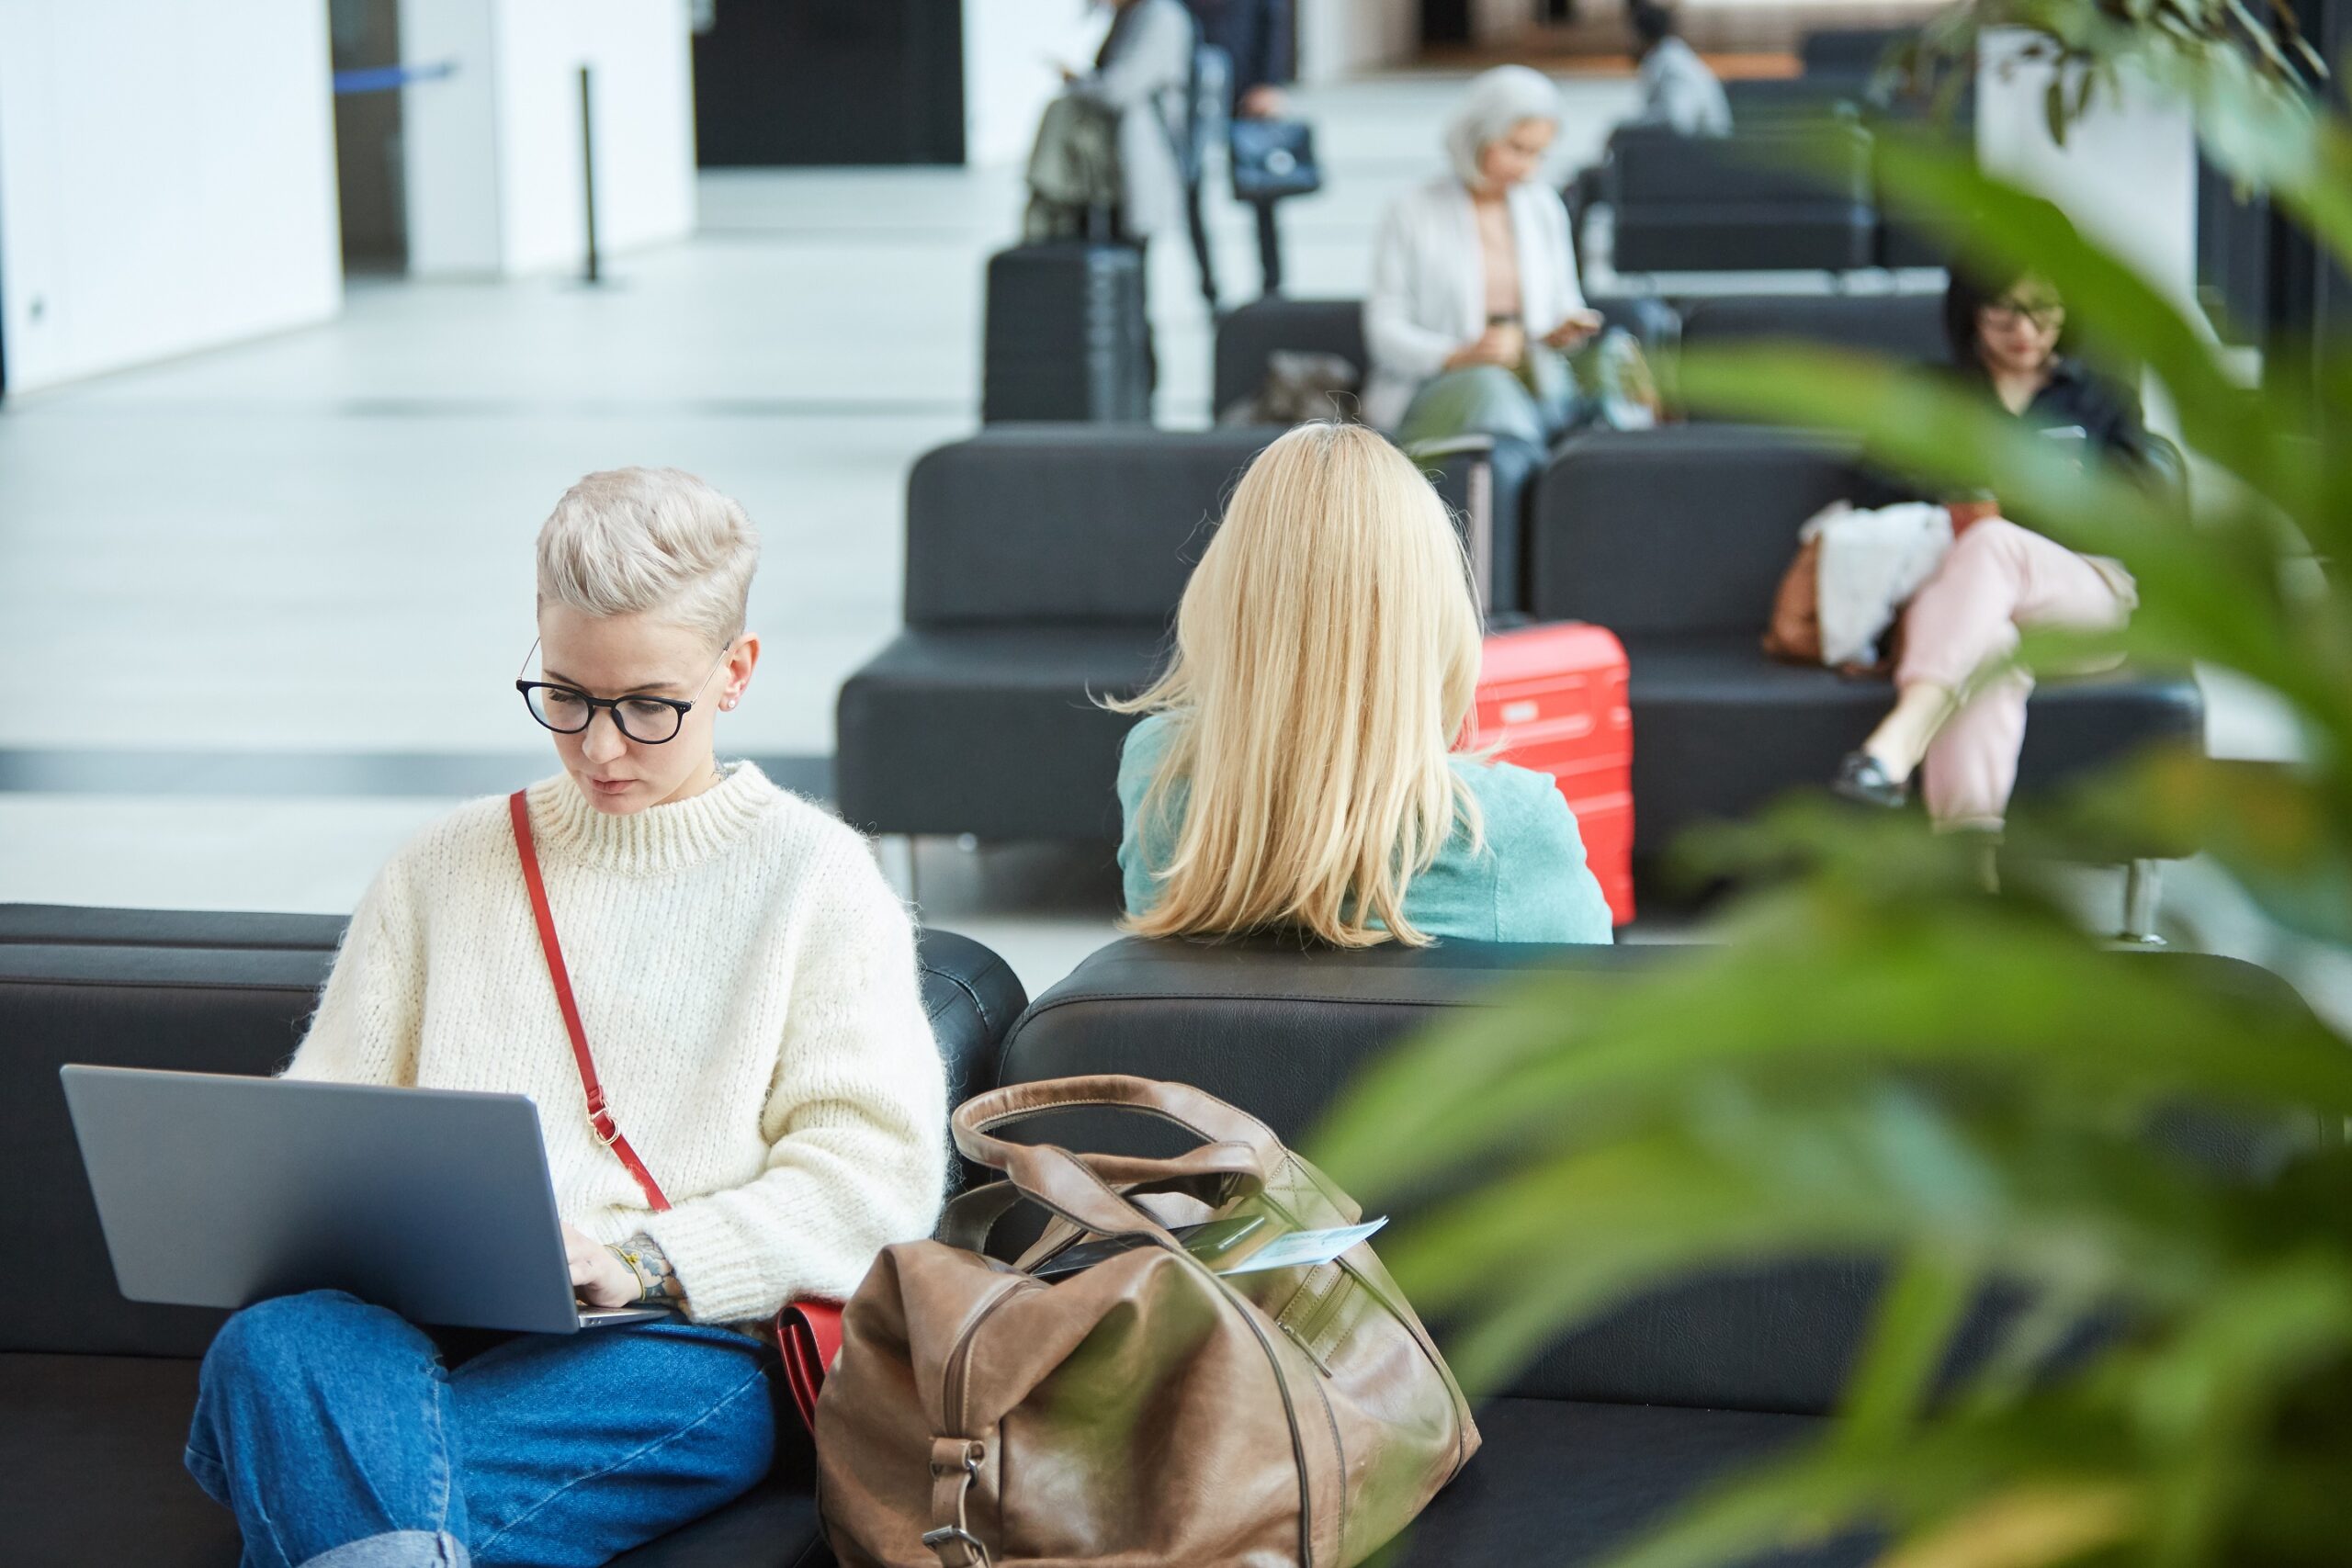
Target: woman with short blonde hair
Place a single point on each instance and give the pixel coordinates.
(1298, 768)
(746, 982)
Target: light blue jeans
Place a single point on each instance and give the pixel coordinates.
(338, 1436)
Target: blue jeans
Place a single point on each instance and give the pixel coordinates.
(338, 1436)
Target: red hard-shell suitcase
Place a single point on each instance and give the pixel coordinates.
(1553, 699)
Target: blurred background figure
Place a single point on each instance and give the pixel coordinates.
(1958, 718)
(1678, 92)
(1142, 76)
(1258, 41)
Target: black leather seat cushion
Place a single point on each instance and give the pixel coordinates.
(102, 926)
(1720, 730)
(1562, 1481)
(1902, 326)
(991, 730)
(1066, 524)
(1746, 237)
(1248, 338)
(1280, 1031)
(90, 1452)
(1687, 528)
(190, 1009)
(92, 1444)
(1762, 201)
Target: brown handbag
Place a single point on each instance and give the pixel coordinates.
(1143, 1410)
(1794, 634)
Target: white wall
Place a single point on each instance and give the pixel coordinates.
(166, 179)
(1342, 37)
(2127, 176)
(494, 174)
(1010, 50)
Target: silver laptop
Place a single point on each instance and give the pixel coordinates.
(222, 1191)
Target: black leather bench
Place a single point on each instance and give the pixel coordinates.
(1909, 327)
(1608, 1429)
(94, 1390)
(1764, 200)
(1044, 566)
(1676, 540)
(1613, 1425)
(1248, 338)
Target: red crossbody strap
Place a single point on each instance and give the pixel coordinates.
(600, 1119)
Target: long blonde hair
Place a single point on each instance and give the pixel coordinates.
(1327, 656)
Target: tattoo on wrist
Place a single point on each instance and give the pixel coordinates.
(657, 1282)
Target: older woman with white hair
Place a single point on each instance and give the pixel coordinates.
(1475, 298)
(747, 984)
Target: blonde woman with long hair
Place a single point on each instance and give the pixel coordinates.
(1297, 769)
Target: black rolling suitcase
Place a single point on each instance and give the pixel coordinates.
(1067, 336)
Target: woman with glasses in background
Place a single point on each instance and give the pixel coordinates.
(1959, 717)
(747, 984)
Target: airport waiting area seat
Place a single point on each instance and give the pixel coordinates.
(1773, 198)
(1676, 540)
(95, 1392)
(1906, 327)
(1631, 1413)
(1043, 566)
(1248, 337)
(1601, 1434)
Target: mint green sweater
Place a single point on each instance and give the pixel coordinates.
(1527, 882)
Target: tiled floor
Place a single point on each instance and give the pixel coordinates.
(261, 606)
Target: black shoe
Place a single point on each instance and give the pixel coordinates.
(1863, 779)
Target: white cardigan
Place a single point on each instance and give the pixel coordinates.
(1429, 285)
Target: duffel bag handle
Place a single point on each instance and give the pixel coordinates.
(1233, 1142)
(971, 1217)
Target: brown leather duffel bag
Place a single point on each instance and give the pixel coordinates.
(1143, 1409)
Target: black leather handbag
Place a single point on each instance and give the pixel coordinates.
(1273, 159)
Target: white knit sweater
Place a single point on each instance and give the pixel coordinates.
(747, 981)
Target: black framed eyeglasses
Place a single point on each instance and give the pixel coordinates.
(2041, 314)
(648, 721)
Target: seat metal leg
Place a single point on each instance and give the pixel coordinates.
(2142, 897)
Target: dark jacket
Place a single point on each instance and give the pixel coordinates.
(1256, 33)
(2107, 413)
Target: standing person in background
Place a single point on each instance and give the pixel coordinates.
(1678, 93)
(1258, 37)
(1143, 75)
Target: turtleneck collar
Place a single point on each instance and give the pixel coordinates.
(656, 840)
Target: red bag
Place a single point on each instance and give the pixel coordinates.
(1553, 699)
(808, 1334)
